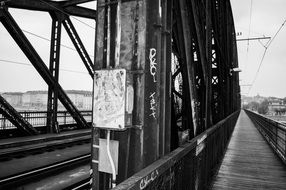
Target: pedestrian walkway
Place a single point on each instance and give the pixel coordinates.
(249, 162)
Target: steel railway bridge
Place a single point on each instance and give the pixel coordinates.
(181, 63)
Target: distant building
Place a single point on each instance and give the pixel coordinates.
(35, 98)
(81, 99)
(275, 106)
(39, 99)
(245, 100)
(14, 98)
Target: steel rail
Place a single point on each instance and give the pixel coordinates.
(14, 151)
(84, 184)
(56, 166)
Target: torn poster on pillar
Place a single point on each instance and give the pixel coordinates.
(109, 98)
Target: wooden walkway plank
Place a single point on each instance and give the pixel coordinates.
(249, 162)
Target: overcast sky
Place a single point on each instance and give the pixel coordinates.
(265, 19)
(23, 77)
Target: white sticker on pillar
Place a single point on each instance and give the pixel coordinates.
(109, 99)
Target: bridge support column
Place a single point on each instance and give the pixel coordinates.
(139, 45)
(52, 108)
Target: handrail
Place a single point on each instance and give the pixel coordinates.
(189, 166)
(38, 118)
(273, 132)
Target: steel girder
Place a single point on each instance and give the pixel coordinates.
(59, 12)
(52, 106)
(67, 7)
(19, 37)
(193, 30)
(182, 48)
(214, 46)
(144, 38)
(78, 45)
(14, 117)
(58, 19)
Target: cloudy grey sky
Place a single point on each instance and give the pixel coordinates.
(21, 75)
(265, 19)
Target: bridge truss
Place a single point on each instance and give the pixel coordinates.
(60, 12)
(180, 56)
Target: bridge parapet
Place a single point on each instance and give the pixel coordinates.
(273, 132)
(190, 166)
(38, 118)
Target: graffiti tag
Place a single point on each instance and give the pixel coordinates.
(153, 64)
(148, 179)
(153, 105)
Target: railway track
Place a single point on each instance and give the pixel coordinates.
(45, 171)
(39, 145)
(84, 184)
(26, 161)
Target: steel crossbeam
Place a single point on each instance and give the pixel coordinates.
(66, 7)
(78, 45)
(39, 65)
(52, 106)
(14, 117)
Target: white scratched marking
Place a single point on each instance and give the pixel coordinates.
(201, 139)
(153, 64)
(153, 105)
(148, 179)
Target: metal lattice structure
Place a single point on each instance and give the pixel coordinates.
(180, 58)
(60, 13)
(181, 55)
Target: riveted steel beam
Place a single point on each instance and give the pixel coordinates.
(74, 2)
(71, 30)
(15, 118)
(46, 5)
(27, 48)
(52, 106)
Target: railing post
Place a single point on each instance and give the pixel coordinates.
(4, 122)
(269, 129)
(65, 118)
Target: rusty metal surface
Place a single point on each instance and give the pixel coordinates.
(190, 166)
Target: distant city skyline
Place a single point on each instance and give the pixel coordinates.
(263, 19)
(38, 99)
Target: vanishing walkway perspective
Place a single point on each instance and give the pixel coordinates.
(249, 162)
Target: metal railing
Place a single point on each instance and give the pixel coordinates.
(274, 133)
(191, 166)
(38, 118)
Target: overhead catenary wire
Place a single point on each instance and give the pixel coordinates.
(248, 35)
(46, 39)
(84, 23)
(263, 56)
(26, 64)
(249, 26)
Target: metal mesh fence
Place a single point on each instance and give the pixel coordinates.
(39, 118)
(274, 133)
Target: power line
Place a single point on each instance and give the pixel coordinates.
(68, 14)
(249, 26)
(249, 29)
(26, 64)
(277, 32)
(264, 53)
(46, 39)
